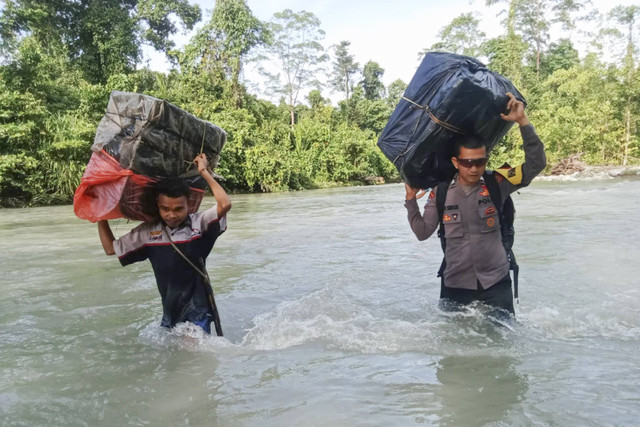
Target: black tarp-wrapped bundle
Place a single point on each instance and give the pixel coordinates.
(449, 95)
(140, 139)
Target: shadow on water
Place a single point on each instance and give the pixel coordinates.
(476, 390)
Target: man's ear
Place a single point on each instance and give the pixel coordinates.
(455, 162)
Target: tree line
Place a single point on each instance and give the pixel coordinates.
(60, 59)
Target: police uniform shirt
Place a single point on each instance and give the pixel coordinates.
(474, 250)
(181, 287)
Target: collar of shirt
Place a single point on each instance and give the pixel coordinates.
(185, 223)
(466, 189)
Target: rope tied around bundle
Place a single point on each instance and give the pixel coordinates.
(442, 123)
(436, 120)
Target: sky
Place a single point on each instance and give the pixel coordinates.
(388, 32)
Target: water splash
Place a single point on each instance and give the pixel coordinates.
(331, 318)
(185, 336)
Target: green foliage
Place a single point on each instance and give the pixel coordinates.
(225, 42)
(461, 36)
(271, 165)
(63, 155)
(297, 50)
(102, 37)
(506, 54)
(156, 19)
(55, 80)
(365, 113)
(371, 83)
(577, 115)
(316, 100)
(560, 56)
(20, 117)
(394, 92)
(16, 171)
(344, 69)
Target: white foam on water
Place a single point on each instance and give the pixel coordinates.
(329, 317)
(603, 323)
(185, 336)
(332, 319)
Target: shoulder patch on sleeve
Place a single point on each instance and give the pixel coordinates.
(432, 195)
(513, 175)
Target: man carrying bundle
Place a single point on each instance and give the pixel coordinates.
(476, 266)
(177, 246)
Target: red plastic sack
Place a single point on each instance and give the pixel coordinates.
(108, 191)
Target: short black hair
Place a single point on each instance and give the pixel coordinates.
(467, 141)
(172, 186)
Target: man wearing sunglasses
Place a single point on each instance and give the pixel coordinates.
(476, 267)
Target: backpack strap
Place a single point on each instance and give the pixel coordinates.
(441, 197)
(504, 208)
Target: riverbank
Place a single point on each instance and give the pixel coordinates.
(588, 172)
(595, 172)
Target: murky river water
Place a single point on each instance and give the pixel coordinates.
(329, 307)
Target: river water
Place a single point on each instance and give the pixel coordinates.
(329, 307)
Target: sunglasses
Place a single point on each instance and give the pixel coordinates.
(467, 163)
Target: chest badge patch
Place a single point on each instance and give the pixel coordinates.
(446, 218)
(454, 216)
(490, 211)
(491, 222)
(155, 236)
(484, 191)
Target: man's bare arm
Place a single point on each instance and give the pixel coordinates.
(106, 237)
(224, 203)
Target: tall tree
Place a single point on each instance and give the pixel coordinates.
(509, 48)
(236, 31)
(536, 17)
(371, 83)
(297, 50)
(532, 21)
(628, 17)
(103, 37)
(569, 12)
(561, 55)
(395, 91)
(461, 36)
(344, 69)
(535, 26)
(316, 100)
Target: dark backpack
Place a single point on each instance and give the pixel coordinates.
(506, 215)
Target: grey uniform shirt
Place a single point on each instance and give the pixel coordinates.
(474, 251)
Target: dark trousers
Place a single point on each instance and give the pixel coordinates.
(498, 296)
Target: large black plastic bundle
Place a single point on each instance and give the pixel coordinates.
(155, 138)
(449, 95)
